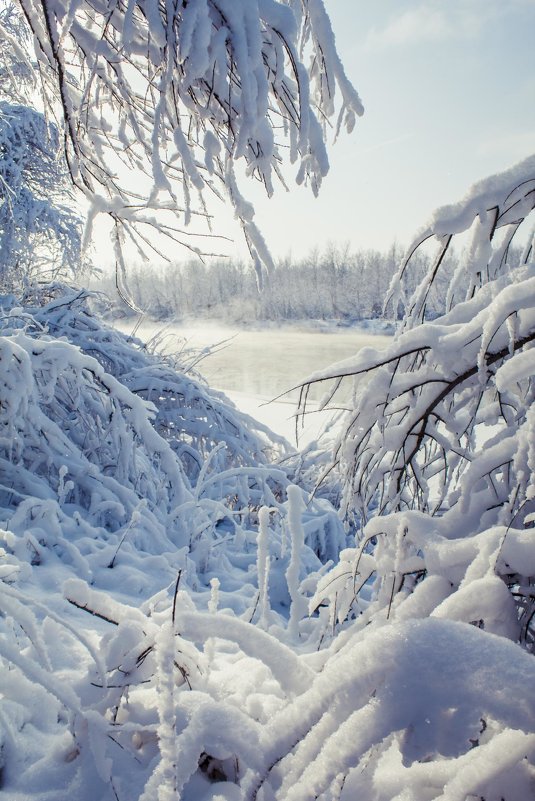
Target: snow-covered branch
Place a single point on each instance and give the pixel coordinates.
(179, 92)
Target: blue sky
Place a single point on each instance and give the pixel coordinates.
(449, 92)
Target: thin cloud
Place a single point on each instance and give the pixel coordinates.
(388, 143)
(420, 24)
(427, 23)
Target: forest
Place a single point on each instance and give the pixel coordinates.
(338, 285)
(191, 608)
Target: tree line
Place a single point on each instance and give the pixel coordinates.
(338, 283)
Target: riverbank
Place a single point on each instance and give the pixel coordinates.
(261, 368)
(330, 325)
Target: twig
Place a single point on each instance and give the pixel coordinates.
(175, 596)
(92, 612)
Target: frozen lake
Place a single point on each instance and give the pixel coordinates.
(254, 366)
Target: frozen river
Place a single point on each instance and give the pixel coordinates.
(255, 366)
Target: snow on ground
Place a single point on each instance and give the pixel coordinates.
(183, 621)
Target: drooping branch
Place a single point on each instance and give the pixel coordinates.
(416, 421)
(182, 91)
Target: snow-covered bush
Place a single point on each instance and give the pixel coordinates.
(40, 236)
(439, 450)
(192, 417)
(429, 616)
(17, 75)
(101, 513)
(40, 233)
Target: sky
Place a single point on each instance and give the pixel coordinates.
(449, 93)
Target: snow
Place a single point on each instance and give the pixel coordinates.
(40, 233)
(257, 76)
(193, 609)
(183, 620)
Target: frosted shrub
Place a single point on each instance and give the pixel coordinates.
(190, 416)
(438, 451)
(40, 233)
(107, 542)
(40, 230)
(438, 466)
(140, 435)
